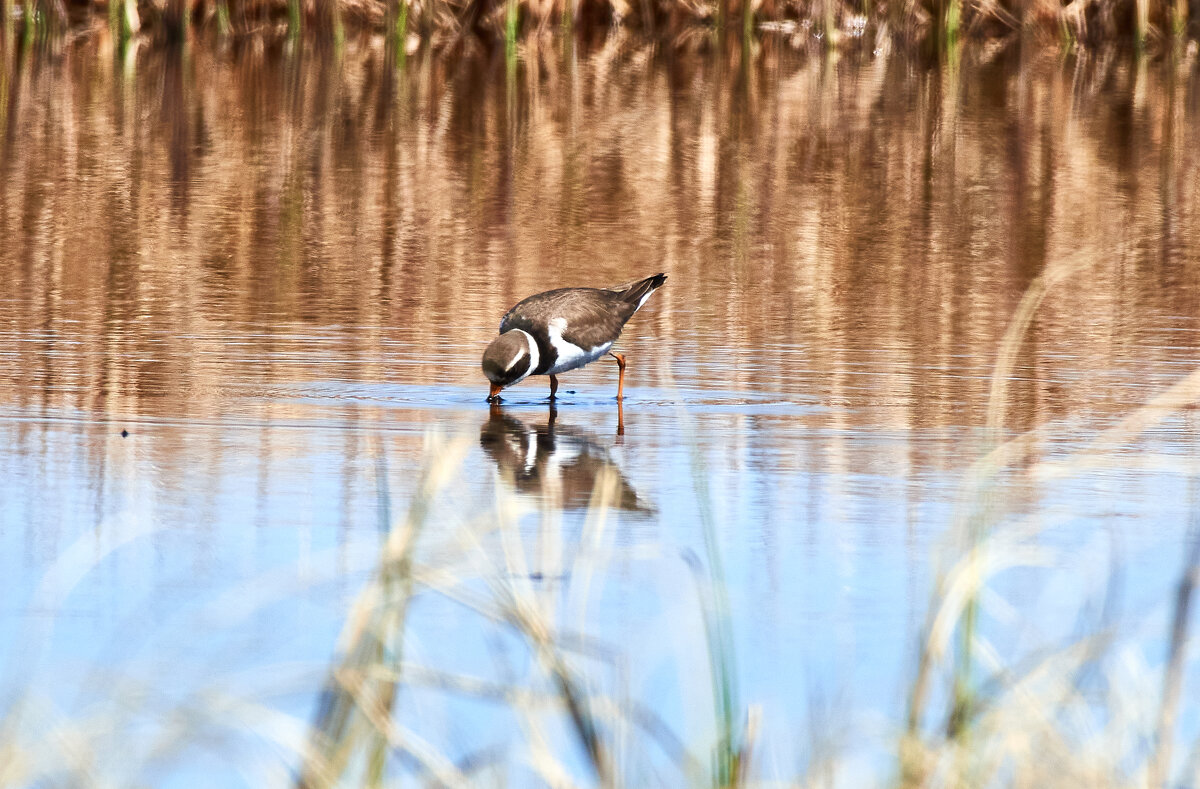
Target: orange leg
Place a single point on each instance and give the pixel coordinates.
(553, 386)
(621, 378)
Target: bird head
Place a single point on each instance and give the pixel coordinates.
(508, 359)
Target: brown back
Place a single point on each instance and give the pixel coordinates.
(594, 315)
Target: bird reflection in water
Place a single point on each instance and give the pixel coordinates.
(558, 463)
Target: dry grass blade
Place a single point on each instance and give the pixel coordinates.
(1183, 395)
(985, 553)
(1014, 336)
(956, 593)
(522, 611)
(1160, 763)
(356, 706)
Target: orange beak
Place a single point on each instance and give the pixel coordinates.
(494, 391)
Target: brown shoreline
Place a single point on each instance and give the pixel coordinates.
(1161, 26)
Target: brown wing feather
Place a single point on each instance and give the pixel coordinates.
(636, 291)
(598, 319)
(594, 315)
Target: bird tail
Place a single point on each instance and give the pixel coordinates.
(638, 291)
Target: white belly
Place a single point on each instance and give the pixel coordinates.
(571, 356)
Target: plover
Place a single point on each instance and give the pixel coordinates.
(560, 330)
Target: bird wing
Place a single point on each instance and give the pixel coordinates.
(599, 316)
(596, 316)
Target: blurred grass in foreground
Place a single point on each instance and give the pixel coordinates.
(355, 734)
(1092, 712)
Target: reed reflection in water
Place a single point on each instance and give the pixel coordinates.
(276, 273)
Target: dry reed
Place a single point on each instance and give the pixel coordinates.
(1033, 725)
(448, 24)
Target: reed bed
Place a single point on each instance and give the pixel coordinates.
(453, 24)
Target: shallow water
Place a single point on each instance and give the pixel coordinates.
(246, 292)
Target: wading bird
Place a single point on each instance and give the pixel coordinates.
(559, 330)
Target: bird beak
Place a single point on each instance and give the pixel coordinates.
(495, 391)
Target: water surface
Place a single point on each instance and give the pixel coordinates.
(246, 292)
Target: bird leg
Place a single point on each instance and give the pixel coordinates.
(621, 378)
(553, 386)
